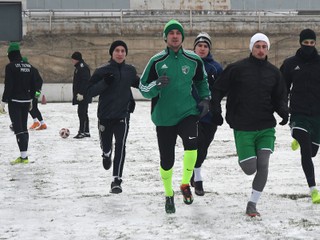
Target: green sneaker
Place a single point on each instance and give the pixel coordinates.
(20, 160)
(294, 145)
(315, 196)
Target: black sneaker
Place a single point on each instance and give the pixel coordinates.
(187, 195)
(170, 208)
(106, 162)
(251, 210)
(79, 136)
(116, 186)
(198, 188)
(86, 134)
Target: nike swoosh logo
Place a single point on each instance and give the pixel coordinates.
(192, 137)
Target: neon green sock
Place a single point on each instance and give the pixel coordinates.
(189, 160)
(166, 176)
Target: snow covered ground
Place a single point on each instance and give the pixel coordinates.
(64, 192)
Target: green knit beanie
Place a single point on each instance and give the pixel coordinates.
(14, 46)
(172, 24)
(25, 59)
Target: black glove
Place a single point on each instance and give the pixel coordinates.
(108, 78)
(285, 117)
(204, 107)
(217, 118)
(162, 81)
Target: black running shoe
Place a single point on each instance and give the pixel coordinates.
(86, 134)
(79, 136)
(198, 188)
(116, 186)
(187, 195)
(251, 210)
(106, 162)
(170, 208)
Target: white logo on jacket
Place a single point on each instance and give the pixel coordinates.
(164, 66)
(185, 69)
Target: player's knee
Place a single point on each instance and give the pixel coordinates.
(249, 166)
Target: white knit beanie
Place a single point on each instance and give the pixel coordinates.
(259, 37)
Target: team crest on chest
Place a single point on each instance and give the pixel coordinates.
(185, 69)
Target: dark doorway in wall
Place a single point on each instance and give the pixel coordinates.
(10, 21)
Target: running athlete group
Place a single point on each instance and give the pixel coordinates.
(186, 89)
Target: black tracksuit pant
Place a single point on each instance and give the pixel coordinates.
(206, 134)
(117, 128)
(35, 113)
(19, 117)
(83, 117)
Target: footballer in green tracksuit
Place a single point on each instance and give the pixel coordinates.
(168, 80)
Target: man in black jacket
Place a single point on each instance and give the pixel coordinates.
(81, 78)
(255, 90)
(302, 74)
(19, 90)
(113, 82)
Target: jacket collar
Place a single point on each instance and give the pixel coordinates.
(258, 61)
(114, 63)
(172, 53)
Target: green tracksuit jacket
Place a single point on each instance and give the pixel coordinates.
(174, 102)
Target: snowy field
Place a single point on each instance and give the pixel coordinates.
(64, 192)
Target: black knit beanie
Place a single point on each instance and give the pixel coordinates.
(76, 56)
(116, 44)
(307, 34)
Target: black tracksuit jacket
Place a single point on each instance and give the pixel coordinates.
(81, 78)
(115, 96)
(19, 83)
(255, 89)
(303, 83)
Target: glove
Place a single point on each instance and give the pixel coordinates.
(79, 97)
(285, 117)
(37, 94)
(217, 118)
(2, 105)
(30, 106)
(108, 78)
(162, 81)
(204, 107)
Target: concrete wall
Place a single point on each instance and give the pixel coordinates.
(49, 42)
(182, 4)
(275, 5)
(78, 4)
(130, 4)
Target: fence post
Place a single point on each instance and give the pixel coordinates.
(190, 20)
(121, 21)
